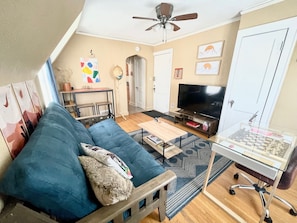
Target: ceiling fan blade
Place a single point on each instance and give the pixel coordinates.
(137, 17)
(175, 27)
(185, 17)
(151, 27)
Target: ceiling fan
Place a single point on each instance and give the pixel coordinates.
(164, 13)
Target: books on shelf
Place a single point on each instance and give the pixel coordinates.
(154, 139)
(166, 146)
(193, 124)
(159, 143)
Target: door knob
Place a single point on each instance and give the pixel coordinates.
(253, 117)
(231, 102)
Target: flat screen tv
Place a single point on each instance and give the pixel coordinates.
(201, 99)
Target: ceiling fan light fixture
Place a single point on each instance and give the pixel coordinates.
(164, 13)
(157, 27)
(168, 26)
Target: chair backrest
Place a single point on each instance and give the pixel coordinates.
(290, 174)
(287, 178)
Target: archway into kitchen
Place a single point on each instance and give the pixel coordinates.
(136, 83)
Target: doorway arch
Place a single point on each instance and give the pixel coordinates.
(136, 83)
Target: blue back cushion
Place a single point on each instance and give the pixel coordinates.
(109, 135)
(47, 173)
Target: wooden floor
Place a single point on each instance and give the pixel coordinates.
(202, 210)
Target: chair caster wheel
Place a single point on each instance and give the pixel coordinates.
(268, 220)
(292, 212)
(236, 176)
(231, 191)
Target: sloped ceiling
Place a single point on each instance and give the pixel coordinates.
(30, 30)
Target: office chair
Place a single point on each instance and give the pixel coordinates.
(286, 181)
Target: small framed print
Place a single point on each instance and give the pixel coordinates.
(178, 73)
(210, 50)
(208, 67)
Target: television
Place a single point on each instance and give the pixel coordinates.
(204, 100)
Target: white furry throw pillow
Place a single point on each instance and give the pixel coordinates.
(108, 185)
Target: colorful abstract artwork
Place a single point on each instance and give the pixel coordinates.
(89, 68)
(12, 126)
(30, 117)
(34, 97)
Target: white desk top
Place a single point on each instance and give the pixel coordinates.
(270, 147)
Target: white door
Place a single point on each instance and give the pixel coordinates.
(256, 59)
(162, 80)
(139, 73)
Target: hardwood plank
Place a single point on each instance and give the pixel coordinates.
(246, 203)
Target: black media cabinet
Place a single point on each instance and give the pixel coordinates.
(204, 124)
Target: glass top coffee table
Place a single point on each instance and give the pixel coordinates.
(161, 135)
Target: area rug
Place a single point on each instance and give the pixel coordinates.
(190, 166)
(156, 114)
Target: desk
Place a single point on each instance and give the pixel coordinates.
(263, 150)
(74, 108)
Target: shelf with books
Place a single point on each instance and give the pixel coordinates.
(154, 139)
(201, 123)
(170, 149)
(193, 124)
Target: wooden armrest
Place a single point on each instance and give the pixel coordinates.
(145, 191)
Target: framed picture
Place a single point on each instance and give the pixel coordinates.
(30, 117)
(178, 73)
(12, 124)
(210, 50)
(208, 67)
(89, 69)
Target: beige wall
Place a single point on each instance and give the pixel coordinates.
(185, 56)
(109, 53)
(282, 10)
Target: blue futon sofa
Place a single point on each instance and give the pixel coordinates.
(48, 175)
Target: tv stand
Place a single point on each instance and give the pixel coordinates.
(204, 124)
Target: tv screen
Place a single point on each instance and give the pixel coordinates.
(201, 99)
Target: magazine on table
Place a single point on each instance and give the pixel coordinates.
(166, 146)
(154, 139)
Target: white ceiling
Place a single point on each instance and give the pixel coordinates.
(112, 19)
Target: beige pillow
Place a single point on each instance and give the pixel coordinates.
(108, 185)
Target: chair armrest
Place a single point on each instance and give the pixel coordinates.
(145, 191)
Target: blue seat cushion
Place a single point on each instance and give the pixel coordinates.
(48, 174)
(109, 135)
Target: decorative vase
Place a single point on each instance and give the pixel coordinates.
(67, 86)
